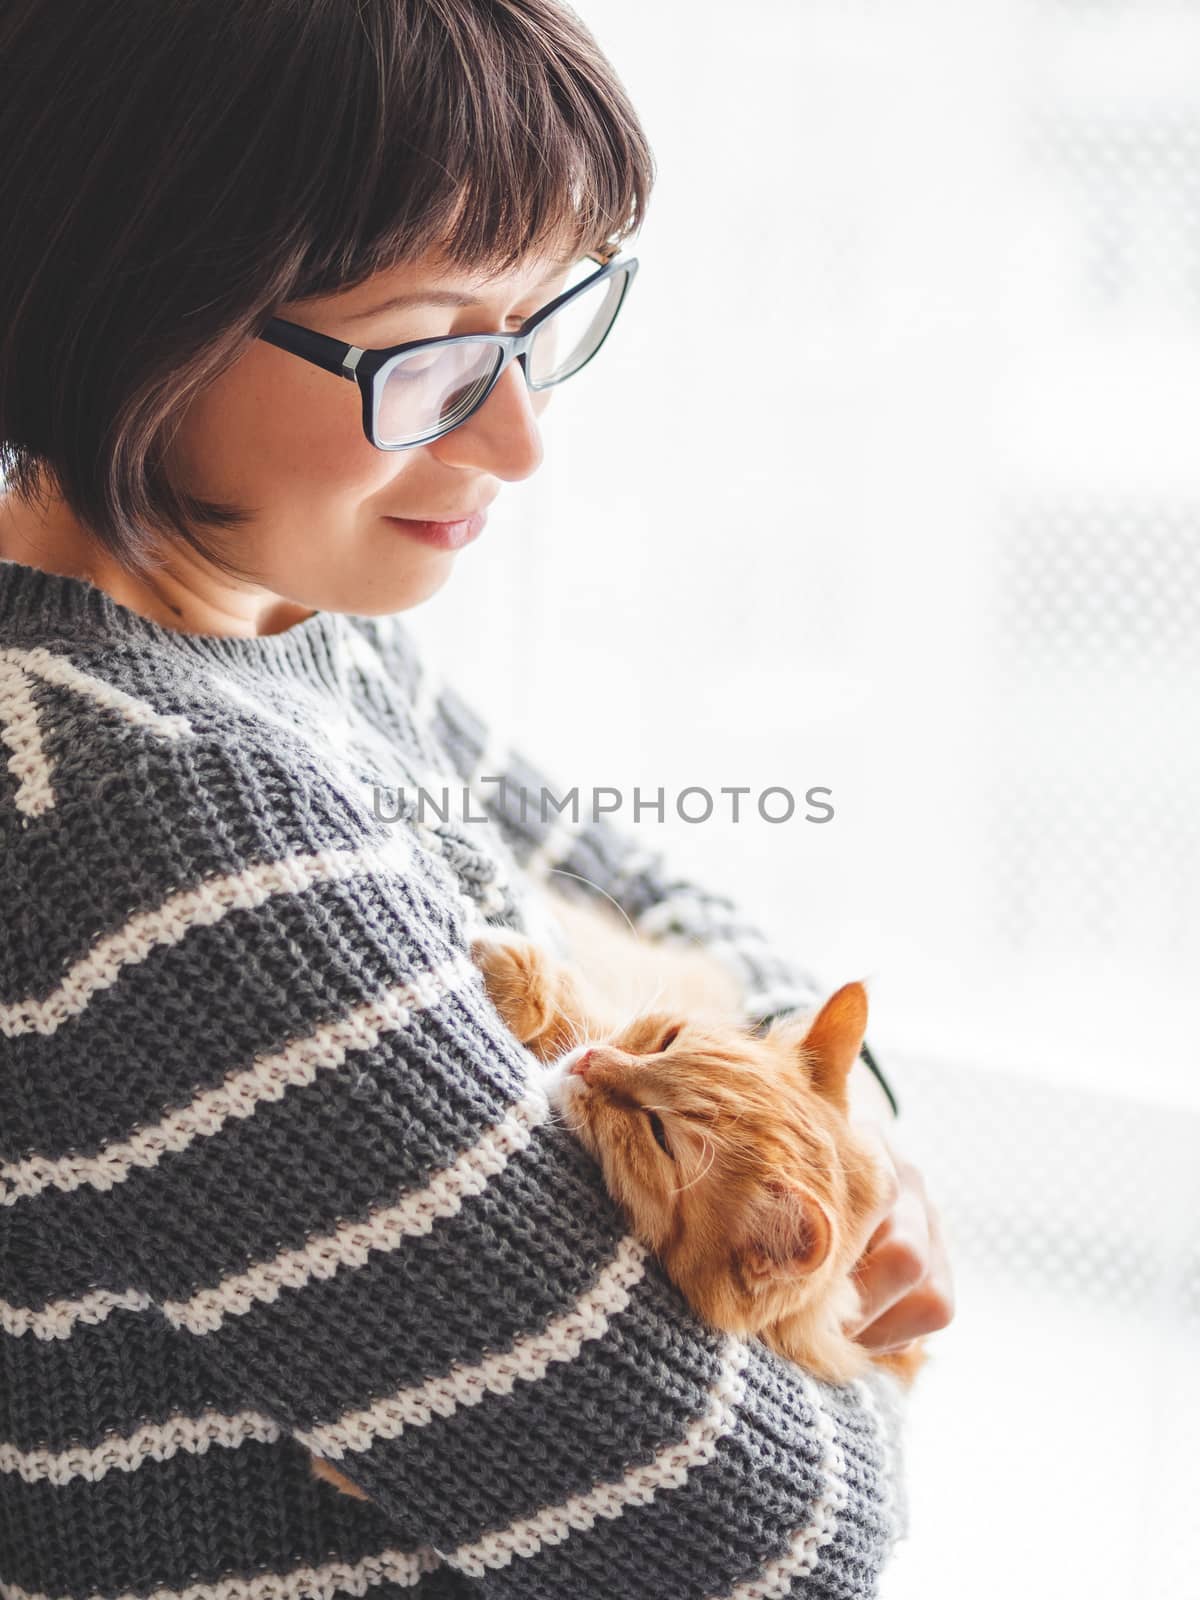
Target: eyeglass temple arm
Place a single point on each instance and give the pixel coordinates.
(335, 355)
(331, 354)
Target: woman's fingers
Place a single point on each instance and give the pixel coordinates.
(895, 1261)
(903, 1275)
(905, 1278)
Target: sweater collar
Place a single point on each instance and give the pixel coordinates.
(38, 606)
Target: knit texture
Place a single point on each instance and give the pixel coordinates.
(275, 1178)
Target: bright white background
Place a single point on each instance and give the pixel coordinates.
(889, 480)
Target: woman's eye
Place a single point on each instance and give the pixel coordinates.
(659, 1132)
(412, 371)
(669, 1038)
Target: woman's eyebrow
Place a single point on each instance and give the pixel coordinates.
(414, 297)
(441, 297)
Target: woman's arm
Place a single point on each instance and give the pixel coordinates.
(597, 856)
(904, 1276)
(277, 1108)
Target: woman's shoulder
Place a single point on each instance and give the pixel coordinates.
(106, 687)
(81, 711)
(143, 784)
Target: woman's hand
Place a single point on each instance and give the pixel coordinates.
(903, 1274)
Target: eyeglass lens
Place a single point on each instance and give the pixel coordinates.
(430, 391)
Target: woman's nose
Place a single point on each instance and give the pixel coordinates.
(503, 436)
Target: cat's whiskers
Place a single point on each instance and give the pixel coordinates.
(733, 1121)
(647, 1008)
(563, 873)
(576, 1037)
(712, 1153)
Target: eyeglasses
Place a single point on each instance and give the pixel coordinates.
(413, 393)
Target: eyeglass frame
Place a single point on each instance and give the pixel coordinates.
(362, 365)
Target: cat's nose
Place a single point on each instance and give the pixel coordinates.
(583, 1064)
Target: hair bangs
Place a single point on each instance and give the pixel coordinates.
(484, 134)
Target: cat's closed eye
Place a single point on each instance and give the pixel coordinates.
(659, 1132)
(669, 1038)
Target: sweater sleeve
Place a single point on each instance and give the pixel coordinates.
(556, 836)
(275, 1108)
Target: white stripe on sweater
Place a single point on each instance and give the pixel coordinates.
(53, 668)
(803, 1551)
(331, 1578)
(638, 1487)
(58, 1319)
(21, 731)
(351, 1243)
(153, 1441)
(320, 1256)
(20, 721)
(240, 1093)
(561, 1340)
(528, 1360)
(206, 904)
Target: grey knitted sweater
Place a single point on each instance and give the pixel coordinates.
(274, 1177)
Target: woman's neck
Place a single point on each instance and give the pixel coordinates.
(180, 594)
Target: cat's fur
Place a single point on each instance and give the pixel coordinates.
(730, 1151)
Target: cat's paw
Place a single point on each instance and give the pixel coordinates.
(492, 940)
(515, 976)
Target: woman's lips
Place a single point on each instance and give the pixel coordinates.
(442, 535)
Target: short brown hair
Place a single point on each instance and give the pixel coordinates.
(174, 170)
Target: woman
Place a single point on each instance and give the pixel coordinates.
(274, 1183)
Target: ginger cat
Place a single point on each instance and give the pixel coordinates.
(730, 1151)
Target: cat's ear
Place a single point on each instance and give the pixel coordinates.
(789, 1235)
(832, 1041)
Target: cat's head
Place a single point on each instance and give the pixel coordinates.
(731, 1151)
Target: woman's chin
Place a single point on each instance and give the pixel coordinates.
(401, 592)
(433, 574)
